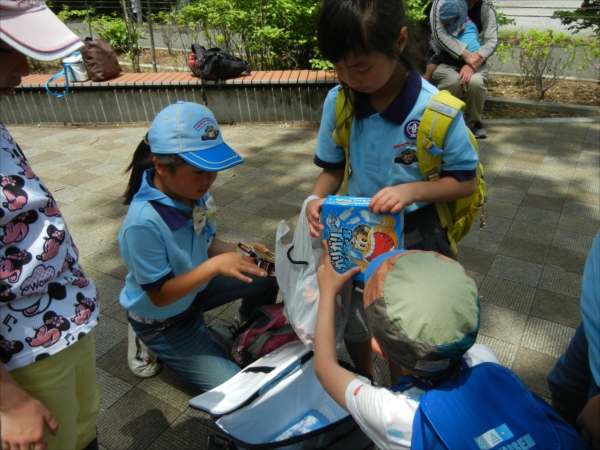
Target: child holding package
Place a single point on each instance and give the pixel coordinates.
(427, 329)
(177, 268)
(374, 61)
(453, 14)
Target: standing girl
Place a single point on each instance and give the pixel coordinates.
(369, 45)
(177, 268)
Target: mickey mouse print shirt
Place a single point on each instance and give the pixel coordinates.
(47, 303)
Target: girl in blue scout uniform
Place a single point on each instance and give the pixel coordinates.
(369, 45)
(177, 268)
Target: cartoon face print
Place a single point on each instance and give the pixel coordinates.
(407, 157)
(50, 332)
(36, 284)
(52, 243)
(6, 294)
(68, 263)
(83, 309)
(360, 239)
(23, 164)
(51, 209)
(8, 349)
(12, 188)
(78, 279)
(18, 228)
(211, 133)
(12, 263)
(374, 241)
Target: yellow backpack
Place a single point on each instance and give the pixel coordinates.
(456, 216)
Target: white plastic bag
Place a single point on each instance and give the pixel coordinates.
(296, 271)
(75, 61)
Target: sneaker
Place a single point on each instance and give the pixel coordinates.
(142, 361)
(478, 131)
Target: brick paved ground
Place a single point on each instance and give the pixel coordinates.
(544, 211)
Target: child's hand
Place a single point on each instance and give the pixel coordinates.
(313, 213)
(330, 281)
(235, 264)
(392, 199)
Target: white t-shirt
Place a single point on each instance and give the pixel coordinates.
(386, 416)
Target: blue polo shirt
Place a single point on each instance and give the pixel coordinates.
(158, 242)
(383, 149)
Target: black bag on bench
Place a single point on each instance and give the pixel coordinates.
(215, 64)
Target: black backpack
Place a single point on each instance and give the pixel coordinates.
(215, 64)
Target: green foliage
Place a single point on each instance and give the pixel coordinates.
(69, 14)
(116, 31)
(503, 19)
(545, 56)
(587, 18)
(503, 53)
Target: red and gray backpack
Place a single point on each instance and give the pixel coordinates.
(264, 331)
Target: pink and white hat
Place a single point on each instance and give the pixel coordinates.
(31, 28)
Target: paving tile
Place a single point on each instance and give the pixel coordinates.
(114, 362)
(248, 203)
(227, 216)
(185, 431)
(515, 184)
(546, 337)
(483, 240)
(270, 191)
(543, 202)
(279, 211)
(578, 224)
(516, 270)
(115, 209)
(523, 250)
(255, 225)
(561, 282)
(109, 333)
(87, 245)
(107, 260)
(502, 209)
(582, 209)
(519, 174)
(504, 351)
(531, 232)
(502, 323)
(567, 260)
(223, 196)
(533, 369)
(576, 242)
(116, 312)
(505, 195)
(135, 421)
(538, 216)
(473, 259)
(507, 294)
(478, 277)
(169, 388)
(111, 389)
(557, 308)
(587, 197)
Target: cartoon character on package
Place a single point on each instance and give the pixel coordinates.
(355, 236)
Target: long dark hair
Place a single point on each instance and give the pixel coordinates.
(361, 27)
(141, 161)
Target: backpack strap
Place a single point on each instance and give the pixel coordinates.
(66, 70)
(343, 127)
(435, 122)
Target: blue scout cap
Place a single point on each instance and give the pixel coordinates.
(422, 308)
(453, 14)
(191, 131)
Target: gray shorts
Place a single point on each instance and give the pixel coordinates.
(357, 328)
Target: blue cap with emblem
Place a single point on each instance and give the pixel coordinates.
(191, 131)
(453, 14)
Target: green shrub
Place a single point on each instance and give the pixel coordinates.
(545, 57)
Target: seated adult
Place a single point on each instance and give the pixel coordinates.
(462, 72)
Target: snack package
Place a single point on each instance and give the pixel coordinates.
(264, 260)
(355, 236)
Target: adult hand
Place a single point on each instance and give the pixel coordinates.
(473, 59)
(330, 281)
(465, 74)
(393, 198)
(234, 264)
(313, 214)
(23, 423)
(589, 421)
